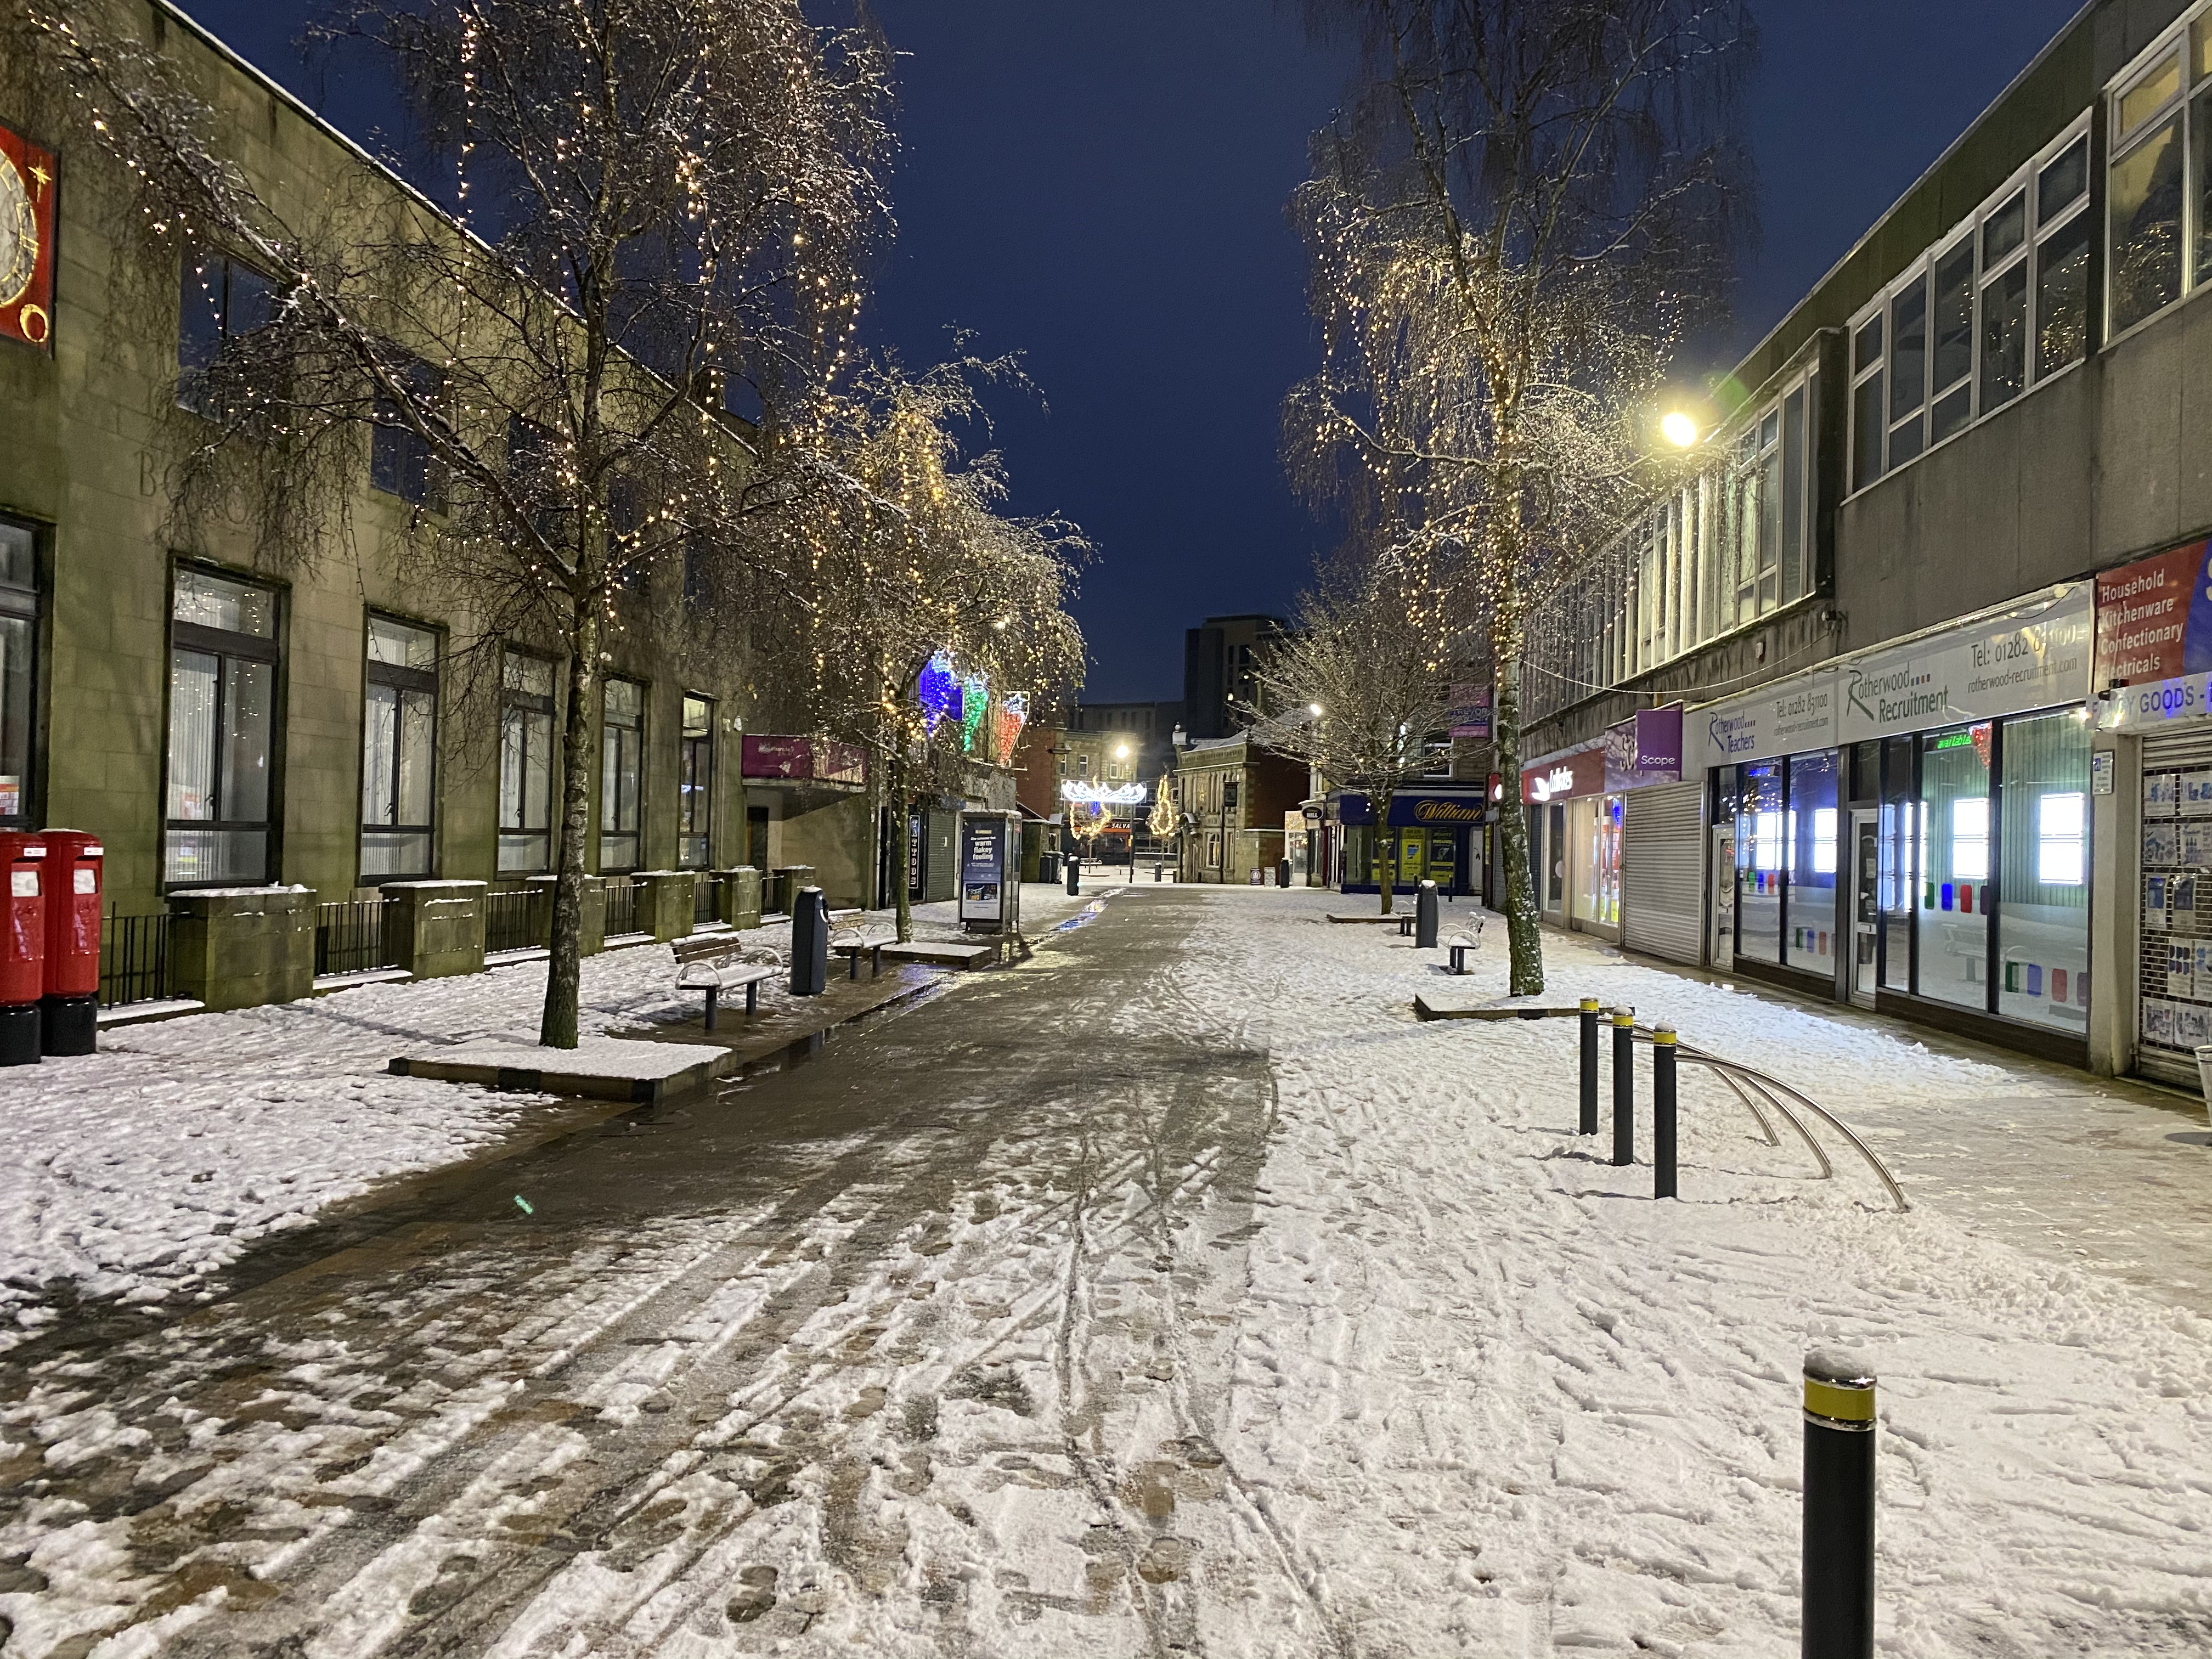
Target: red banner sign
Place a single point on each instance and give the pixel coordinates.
(27, 241)
(2154, 619)
(1567, 778)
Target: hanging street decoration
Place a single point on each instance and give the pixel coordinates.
(976, 698)
(1013, 714)
(1101, 794)
(938, 692)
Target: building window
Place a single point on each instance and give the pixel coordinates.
(218, 301)
(399, 744)
(525, 765)
(1948, 342)
(18, 669)
(694, 786)
(2160, 147)
(400, 459)
(223, 658)
(622, 773)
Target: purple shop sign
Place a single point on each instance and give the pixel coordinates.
(1469, 716)
(1644, 751)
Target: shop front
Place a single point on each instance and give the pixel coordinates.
(1574, 840)
(1910, 829)
(1435, 832)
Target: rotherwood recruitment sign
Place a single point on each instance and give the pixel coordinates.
(2033, 655)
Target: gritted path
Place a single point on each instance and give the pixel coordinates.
(815, 1356)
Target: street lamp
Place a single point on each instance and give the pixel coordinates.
(1313, 709)
(1679, 430)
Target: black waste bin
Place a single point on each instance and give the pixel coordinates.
(810, 942)
(1425, 917)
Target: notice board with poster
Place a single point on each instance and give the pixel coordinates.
(27, 241)
(990, 872)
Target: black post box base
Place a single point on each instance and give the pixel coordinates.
(19, 1033)
(69, 1025)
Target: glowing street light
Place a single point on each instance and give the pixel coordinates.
(1678, 428)
(1121, 751)
(1313, 709)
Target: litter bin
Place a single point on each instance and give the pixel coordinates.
(22, 947)
(1282, 873)
(68, 1012)
(2204, 1078)
(810, 942)
(1047, 866)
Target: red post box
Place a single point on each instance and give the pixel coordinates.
(22, 946)
(68, 1012)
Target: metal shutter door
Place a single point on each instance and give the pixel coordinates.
(1663, 870)
(2173, 1007)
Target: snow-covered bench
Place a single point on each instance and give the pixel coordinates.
(715, 963)
(1463, 944)
(853, 947)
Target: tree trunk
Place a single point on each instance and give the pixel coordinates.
(901, 862)
(557, 1028)
(1386, 848)
(1524, 940)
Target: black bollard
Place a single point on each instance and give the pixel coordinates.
(1074, 873)
(1282, 873)
(1662, 1112)
(1624, 1086)
(1156, 867)
(810, 942)
(1425, 917)
(1588, 1126)
(1839, 1612)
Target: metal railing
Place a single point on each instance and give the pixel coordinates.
(349, 937)
(706, 898)
(134, 959)
(507, 921)
(621, 906)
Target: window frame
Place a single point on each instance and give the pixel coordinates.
(514, 699)
(390, 429)
(2188, 39)
(184, 394)
(400, 678)
(29, 604)
(1969, 230)
(225, 645)
(635, 833)
(695, 797)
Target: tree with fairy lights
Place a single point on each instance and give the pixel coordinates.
(1510, 224)
(932, 618)
(652, 212)
(1363, 685)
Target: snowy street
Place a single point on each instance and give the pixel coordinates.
(1170, 1292)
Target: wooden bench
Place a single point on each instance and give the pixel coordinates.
(715, 963)
(1460, 945)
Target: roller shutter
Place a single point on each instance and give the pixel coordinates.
(2174, 905)
(1662, 868)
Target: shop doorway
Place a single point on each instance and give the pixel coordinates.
(1721, 953)
(1443, 859)
(1866, 904)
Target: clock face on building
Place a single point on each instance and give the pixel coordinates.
(19, 233)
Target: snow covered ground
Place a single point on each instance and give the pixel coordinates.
(1188, 1299)
(135, 1173)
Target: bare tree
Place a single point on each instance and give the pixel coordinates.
(928, 609)
(1511, 226)
(1360, 688)
(652, 202)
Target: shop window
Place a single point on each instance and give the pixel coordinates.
(400, 726)
(622, 773)
(1758, 856)
(2043, 911)
(525, 765)
(223, 660)
(19, 669)
(1898, 869)
(1809, 892)
(1867, 403)
(694, 785)
(1955, 864)
(2145, 202)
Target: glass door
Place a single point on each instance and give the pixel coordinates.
(1866, 904)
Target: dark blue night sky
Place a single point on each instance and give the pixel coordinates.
(1101, 187)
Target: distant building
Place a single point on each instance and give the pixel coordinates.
(1221, 657)
(1233, 796)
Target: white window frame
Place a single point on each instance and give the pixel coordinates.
(2178, 39)
(1922, 270)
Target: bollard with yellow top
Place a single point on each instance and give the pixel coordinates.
(1624, 1086)
(1589, 1022)
(1662, 1112)
(1838, 1570)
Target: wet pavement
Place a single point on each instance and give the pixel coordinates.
(576, 1400)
